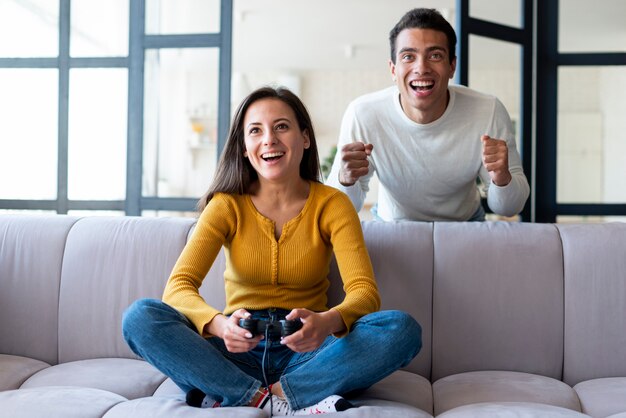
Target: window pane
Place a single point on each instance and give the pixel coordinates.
(591, 159)
(504, 12)
(99, 28)
(596, 28)
(495, 67)
(97, 134)
(28, 133)
(182, 16)
(180, 121)
(29, 28)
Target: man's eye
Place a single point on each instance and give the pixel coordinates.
(436, 56)
(406, 57)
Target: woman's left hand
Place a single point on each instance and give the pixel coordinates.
(315, 328)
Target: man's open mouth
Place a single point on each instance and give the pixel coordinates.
(422, 85)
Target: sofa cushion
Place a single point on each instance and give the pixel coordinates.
(126, 377)
(497, 298)
(403, 387)
(602, 397)
(378, 408)
(175, 407)
(57, 402)
(511, 410)
(31, 253)
(595, 288)
(109, 263)
(15, 370)
(501, 386)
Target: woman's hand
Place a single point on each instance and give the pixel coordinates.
(236, 339)
(315, 328)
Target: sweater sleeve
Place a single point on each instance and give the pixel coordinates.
(341, 222)
(506, 200)
(214, 227)
(350, 132)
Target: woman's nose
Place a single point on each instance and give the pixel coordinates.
(270, 137)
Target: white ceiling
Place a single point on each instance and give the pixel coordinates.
(297, 35)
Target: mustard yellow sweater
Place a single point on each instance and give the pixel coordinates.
(262, 272)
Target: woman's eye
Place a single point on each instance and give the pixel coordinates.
(253, 130)
(282, 126)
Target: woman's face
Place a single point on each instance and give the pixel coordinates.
(274, 143)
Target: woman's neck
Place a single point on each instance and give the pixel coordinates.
(280, 193)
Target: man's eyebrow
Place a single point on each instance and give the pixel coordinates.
(407, 49)
(429, 49)
(436, 48)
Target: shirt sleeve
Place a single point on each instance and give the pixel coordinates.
(350, 132)
(506, 200)
(214, 227)
(343, 226)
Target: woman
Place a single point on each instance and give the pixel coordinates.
(279, 226)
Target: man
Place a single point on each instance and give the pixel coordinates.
(427, 141)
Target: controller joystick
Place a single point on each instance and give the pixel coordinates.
(275, 329)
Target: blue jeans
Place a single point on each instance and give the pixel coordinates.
(377, 345)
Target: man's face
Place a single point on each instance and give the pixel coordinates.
(422, 71)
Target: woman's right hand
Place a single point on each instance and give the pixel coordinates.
(236, 339)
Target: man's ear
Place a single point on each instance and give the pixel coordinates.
(453, 68)
(392, 69)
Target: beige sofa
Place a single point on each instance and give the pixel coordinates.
(518, 319)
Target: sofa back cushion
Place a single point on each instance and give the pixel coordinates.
(402, 257)
(109, 263)
(31, 253)
(497, 298)
(595, 301)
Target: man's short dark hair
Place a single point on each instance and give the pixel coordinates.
(422, 18)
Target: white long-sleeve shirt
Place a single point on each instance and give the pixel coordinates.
(428, 171)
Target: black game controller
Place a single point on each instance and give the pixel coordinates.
(275, 329)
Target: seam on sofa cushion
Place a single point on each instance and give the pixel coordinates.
(558, 233)
(59, 288)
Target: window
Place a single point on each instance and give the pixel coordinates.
(96, 95)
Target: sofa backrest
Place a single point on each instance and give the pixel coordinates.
(497, 298)
(109, 263)
(538, 298)
(31, 255)
(595, 301)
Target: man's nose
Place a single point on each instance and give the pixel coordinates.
(421, 66)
